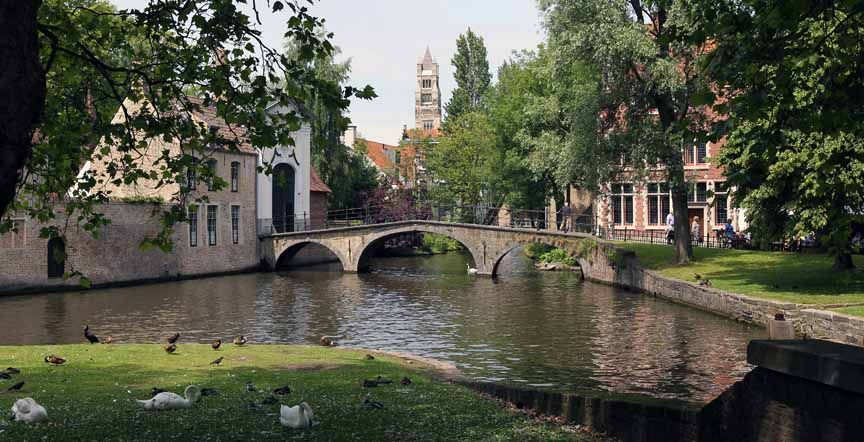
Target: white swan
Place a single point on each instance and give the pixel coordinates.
(27, 410)
(471, 271)
(297, 417)
(172, 401)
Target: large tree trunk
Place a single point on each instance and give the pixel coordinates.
(22, 91)
(678, 189)
(843, 261)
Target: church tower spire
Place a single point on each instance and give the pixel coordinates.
(427, 107)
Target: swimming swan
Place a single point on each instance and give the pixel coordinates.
(27, 410)
(470, 270)
(171, 401)
(297, 417)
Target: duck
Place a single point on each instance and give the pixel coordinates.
(369, 357)
(374, 405)
(406, 381)
(13, 370)
(216, 344)
(108, 339)
(270, 400)
(16, 387)
(90, 336)
(240, 340)
(282, 390)
(172, 401)
(54, 360)
(209, 392)
(368, 384)
(27, 410)
(170, 348)
(471, 270)
(296, 417)
(5, 375)
(249, 387)
(329, 341)
(382, 381)
(173, 339)
(705, 282)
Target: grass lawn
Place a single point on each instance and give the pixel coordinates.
(854, 311)
(789, 277)
(91, 397)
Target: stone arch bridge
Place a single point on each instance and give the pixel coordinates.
(486, 244)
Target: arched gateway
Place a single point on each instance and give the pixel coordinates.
(486, 244)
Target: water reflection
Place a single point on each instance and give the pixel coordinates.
(546, 330)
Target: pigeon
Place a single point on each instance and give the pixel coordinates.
(405, 381)
(216, 344)
(372, 405)
(55, 360)
(173, 339)
(282, 390)
(90, 336)
(217, 361)
(170, 348)
(250, 388)
(16, 387)
(209, 392)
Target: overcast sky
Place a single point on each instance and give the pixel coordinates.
(384, 39)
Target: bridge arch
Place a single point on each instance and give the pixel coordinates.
(568, 245)
(361, 262)
(290, 249)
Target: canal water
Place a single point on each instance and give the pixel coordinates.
(546, 330)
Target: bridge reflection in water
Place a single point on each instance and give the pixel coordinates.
(549, 330)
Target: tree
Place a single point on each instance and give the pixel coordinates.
(649, 87)
(61, 57)
(789, 76)
(346, 171)
(472, 75)
(464, 164)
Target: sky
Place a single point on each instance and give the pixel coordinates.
(385, 38)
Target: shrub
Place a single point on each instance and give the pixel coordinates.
(558, 256)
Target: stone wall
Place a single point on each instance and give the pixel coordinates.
(116, 256)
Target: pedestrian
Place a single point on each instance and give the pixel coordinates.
(566, 221)
(729, 232)
(670, 228)
(696, 230)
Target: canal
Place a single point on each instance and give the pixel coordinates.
(541, 329)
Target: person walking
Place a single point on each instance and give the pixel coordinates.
(670, 228)
(566, 213)
(696, 230)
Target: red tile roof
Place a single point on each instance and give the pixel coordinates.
(207, 114)
(316, 184)
(377, 152)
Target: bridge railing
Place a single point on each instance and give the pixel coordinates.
(464, 214)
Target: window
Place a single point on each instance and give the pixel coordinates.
(426, 83)
(211, 164)
(211, 225)
(192, 175)
(193, 227)
(235, 224)
(697, 192)
(428, 125)
(695, 153)
(622, 204)
(658, 203)
(721, 203)
(235, 176)
(425, 98)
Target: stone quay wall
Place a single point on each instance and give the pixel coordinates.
(807, 320)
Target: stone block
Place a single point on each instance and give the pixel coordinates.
(780, 329)
(838, 365)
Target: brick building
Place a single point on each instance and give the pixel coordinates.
(222, 234)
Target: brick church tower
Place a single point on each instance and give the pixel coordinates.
(427, 113)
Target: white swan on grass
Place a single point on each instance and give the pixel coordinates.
(297, 417)
(27, 410)
(471, 271)
(171, 401)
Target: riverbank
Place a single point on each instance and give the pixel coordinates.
(92, 396)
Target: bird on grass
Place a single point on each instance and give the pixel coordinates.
(5, 375)
(90, 336)
(249, 387)
(368, 383)
(27, 410)
(297, 417)
(170, 348)
(240, 340)
(282, 390)
(209, 392)
(174, 338)
(13, 370)
(270, 400)
(382, 381)
(54, 360)
(328, 341)
(372, 405)
(369, 357)
(406, 381)
(170, 401)
(217, 361)
(16, 387)
(697, 276)
(108, 339)
(216, 344)
(705, 282)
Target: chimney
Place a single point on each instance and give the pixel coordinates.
(350, 136)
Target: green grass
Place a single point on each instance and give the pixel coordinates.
(854, 311)
(789, 277)
(91, 397)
